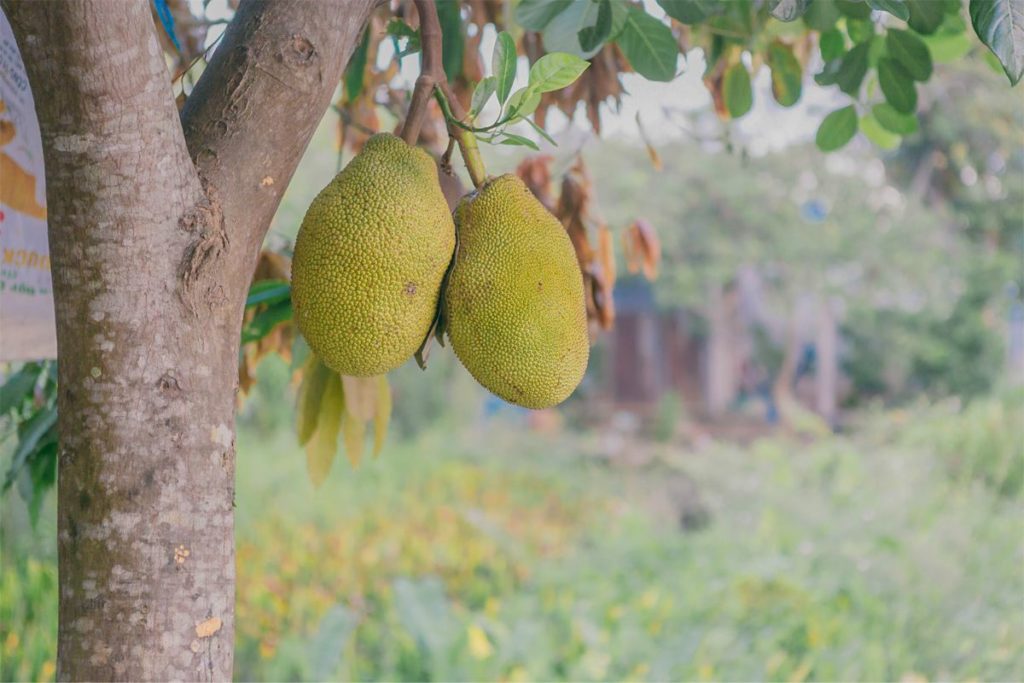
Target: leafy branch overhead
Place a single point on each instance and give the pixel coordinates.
(875, 52)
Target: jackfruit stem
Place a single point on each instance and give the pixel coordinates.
(432, 81)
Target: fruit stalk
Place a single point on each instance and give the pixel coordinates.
(433, 82)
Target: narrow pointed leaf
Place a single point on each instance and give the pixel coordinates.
(360, 396)
(483, 91)
(511, 139)
(323, 446)
(503, 64)
(311, 391)
(353, 433)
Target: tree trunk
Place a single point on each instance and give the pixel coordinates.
(827, 362)
(722, 365)
(152, 256)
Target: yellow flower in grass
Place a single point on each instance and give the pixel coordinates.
(479, 645)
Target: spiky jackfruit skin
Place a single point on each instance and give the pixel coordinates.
(514, 304)
(369, 259)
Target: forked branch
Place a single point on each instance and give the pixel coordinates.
(433, 82)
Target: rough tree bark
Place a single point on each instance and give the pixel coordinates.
(155, 223)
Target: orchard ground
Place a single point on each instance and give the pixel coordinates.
(478, 549)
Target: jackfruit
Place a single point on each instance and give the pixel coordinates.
(369, 259)
(514, 305)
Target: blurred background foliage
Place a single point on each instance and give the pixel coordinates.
(508, 554)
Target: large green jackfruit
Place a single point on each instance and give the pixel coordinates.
(514, 304)
(370, 257)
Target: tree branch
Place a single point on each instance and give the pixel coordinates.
(433, 82)
(256, 106)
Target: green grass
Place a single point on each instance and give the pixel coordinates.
(896, 552)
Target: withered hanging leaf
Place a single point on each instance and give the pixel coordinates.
(536, 173)
(602, 274)
(360, 396)
(606, 253)
(651, 151)
(649, 247)
(353, 432)
(323, 446)
(642, 248)
(311, 393)
(382, 416)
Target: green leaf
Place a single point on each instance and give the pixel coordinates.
(946, 48)
(310, 395)
(519, 140)
(30, 436)
(894, 121)
(323, 445)
(854, 9)
(911, 52)
(690, 11)
(535, 15)
(481, 93)
(503, 64)
(832, 45)
(926, 15)
(522, 103)
(398, 29)
(453, 44)
(19, 387)
(540, 131)
(837, 129)
(860, 30)
(787, 75)
(620, 10)
(829, 73)
(563, 33)
(739, 96)
(356, 69)
(265, 321)
(1000, 25)
(897, 8)
(822, 15)
(788, 10)
(897, 86)
(649, 46)
(353, 433)
(877, 134)
(593, 37)
(853, 68)
(268, 292)
(555, 71)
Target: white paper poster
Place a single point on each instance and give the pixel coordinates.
(27, 329)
